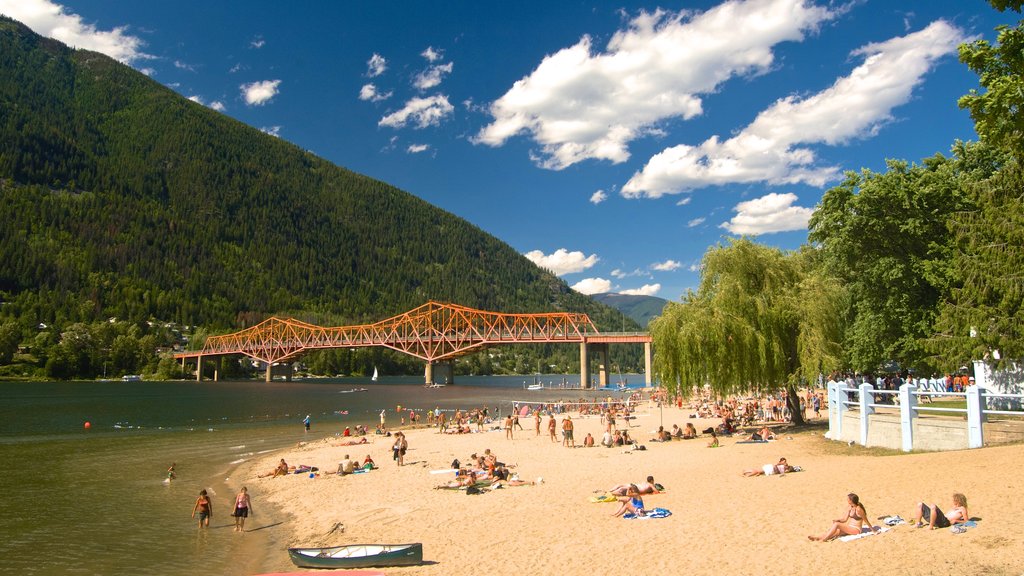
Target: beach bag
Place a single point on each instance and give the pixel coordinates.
(455, 464)
(472, 490)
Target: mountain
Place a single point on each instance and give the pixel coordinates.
(639, 308)
(121, 198)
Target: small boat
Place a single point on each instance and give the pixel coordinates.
(434, 385)
(535, 387)
(358, 556)
(374, 378)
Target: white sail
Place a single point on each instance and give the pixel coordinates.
(374, 374)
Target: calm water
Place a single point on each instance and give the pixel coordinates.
(93, 501)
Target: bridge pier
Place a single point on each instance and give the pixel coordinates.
(199, 368)
(279, 369)
(602, 374)
(438, 373)
(584, 367)
(647, 364)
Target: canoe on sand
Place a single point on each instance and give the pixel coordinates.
(358, 556)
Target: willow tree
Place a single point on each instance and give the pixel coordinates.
(761, 320)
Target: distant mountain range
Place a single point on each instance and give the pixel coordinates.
(639, 308)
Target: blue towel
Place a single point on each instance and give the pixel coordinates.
(653, 513)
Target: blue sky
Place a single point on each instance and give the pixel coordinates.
(612, 143)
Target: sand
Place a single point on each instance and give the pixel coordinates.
(721, 523)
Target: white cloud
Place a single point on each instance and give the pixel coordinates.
(562, 261)
(417, 148)
(148, 71)
(666, 266)
(274, 131)
(684, 201)
(590, 286)
(645, 290)
(695, 222)
(598, 197)
(432, 76)
(369, 92)
(257, 43)
(54, 21)
(184, 66)
(422, 112)
(695, 267)
(768, 150)
(218, 106)
(617, 273)
(196, 99)
(432, 54)
(768, 214)
(580, 104)
(259, 93)
(376, 65)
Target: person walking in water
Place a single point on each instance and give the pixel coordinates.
(305, 422)
(243, 507)
(204, 507)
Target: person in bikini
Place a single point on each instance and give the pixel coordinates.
(647, 487)
(632, 502)
(779, 469)
(938, 519)
(856, 517)
(204, 507)
(243, 507)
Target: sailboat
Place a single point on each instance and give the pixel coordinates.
(374, 378)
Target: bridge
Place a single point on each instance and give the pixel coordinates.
(434, 332)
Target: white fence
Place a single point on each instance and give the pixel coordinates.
(864, 402)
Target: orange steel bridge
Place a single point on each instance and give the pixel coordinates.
(434, 332)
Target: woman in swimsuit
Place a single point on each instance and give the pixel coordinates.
(938, 519)
(631, 503)
(856, 517)
(243, 507)
(205, 509)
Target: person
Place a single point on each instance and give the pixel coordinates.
(606, 439)
(346, 466)
(243, 507)
(368, 463)
(305, 422)
(816, 404)
(536, 421)
(646, 487)
(938, 519)
(399, 448)
(205, 509)
(347, 432)
(552, 427)
(382, 420)
(632, 502)
(851, 523)
(663, 435)
(280, 470)
(691, 431)
(780, 468)
(508, 426)
(764, 433)
(714, 440)
(588, 442)
(567, 439)
(170, 472)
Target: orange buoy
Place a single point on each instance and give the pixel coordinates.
(88, 425)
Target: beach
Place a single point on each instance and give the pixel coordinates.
(721, 522)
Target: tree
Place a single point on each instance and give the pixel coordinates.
(885, 237)
(10, 337)
(761, 320)
(998, 112)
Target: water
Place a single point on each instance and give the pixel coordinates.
(92, 501)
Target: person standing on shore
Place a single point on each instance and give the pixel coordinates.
(382, 420)
(205, 509)
(567, 439)
(508, 427)
(243, 507)
(552, 427)
(536, 421)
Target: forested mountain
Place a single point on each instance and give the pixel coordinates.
(123, 199)
(640, 308)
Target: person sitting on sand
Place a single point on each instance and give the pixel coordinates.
(938, 519)
(851, 522)
(691, 431)
(677, 432)
(714, 440)
(632, 502)
(764, 433)
(778, 469)
(588, 442)
(280, 470)
(346, 466)
(368, 463)
(646, 487)
(461, 481)
(606, 440)
(662, 435)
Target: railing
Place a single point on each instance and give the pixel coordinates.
(865, 401)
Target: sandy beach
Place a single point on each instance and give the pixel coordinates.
(721, 522)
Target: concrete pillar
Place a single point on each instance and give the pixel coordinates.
(199, 368)
(867, 397)
(584, 366)
(975, 418)
(648, 378)
(428, 373)
(908, 405)
(270, 372)
(602, 375)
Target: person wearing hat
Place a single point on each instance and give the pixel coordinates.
(305, 422)
(567, 439)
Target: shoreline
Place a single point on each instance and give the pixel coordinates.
(760, 522)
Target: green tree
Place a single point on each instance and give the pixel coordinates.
(998, 111)
(885, 237)
(10, 337)
(760, 320)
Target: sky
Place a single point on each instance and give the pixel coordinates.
(611, 143)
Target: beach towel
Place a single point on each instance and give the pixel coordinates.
(864, 532)
(603, 498)
(752, 441)
(653, 513)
